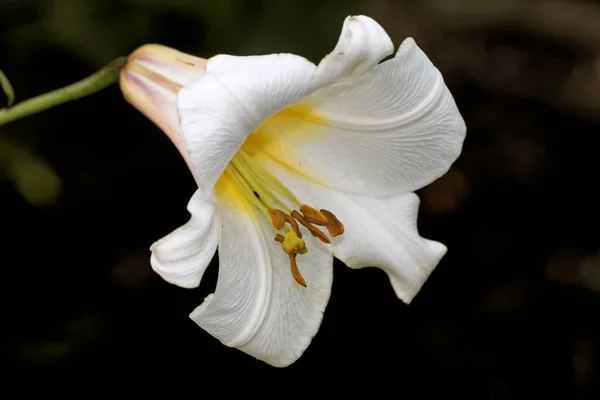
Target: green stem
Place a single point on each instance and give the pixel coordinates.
(92, 84)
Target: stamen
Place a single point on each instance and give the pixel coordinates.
(294, 225)
(313, 216)
(263, 195)
(334, 226)
(314, 231)
(261, 189)
(268, 177)
(277, 218)
(236, 176)
(257, 180)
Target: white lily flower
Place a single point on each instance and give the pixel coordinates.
(284, 150)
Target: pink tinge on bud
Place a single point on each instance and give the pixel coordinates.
(150, 81)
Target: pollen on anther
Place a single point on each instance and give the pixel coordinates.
(334, 226)
(313, 216)
(278, 218)
(314, 231)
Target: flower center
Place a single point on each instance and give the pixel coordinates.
(264, 190)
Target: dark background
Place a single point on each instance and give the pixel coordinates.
(511, 312)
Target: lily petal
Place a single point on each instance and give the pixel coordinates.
(257, 306)
(379, 232)
(362, 44)
(182, 256)
(230, 102)
(382, 232)
(392, 130)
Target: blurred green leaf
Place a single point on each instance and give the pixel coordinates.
(35, 180)
(7, 88)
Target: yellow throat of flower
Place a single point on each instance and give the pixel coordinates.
(265, 192)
